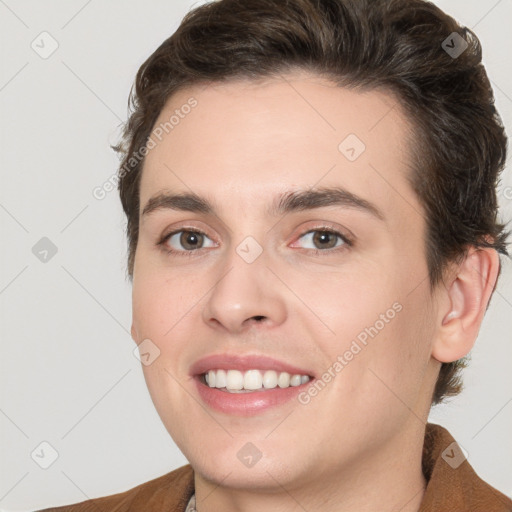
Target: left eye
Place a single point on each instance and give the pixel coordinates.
(325, 238)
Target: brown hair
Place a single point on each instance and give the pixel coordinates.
(399, 46)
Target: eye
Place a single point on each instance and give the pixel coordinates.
(189, 239)
(185, 242)
(325, 238)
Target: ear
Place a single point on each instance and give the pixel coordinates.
(467, 297)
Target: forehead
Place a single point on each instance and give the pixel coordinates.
(245, 141)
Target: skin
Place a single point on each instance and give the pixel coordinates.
(356, 446)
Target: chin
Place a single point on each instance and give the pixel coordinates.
(264, 475)
(239, 463)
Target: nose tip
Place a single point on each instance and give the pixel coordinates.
(241, 300)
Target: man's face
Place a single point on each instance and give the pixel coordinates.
(357, 310)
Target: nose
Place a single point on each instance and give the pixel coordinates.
(246, 294)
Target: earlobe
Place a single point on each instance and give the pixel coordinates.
(466, 302)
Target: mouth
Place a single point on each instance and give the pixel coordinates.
(250, 381)
(246, 385)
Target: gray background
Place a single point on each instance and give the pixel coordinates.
(69, 376)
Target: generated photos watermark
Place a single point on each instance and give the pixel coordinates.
(101, 191)
(356, 347)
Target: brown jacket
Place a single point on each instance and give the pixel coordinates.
(452, 486)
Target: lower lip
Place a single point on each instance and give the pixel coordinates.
(247, 404)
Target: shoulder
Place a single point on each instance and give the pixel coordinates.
(452, 483)
(169, 492)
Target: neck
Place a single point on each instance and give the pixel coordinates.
(388, 479)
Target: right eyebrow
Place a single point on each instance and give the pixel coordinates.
(189, 202)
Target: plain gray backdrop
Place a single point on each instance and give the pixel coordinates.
(69, 378)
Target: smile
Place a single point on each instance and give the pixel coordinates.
(236, 381)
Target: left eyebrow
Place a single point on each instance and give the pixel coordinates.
(298, 200)
(319, 198)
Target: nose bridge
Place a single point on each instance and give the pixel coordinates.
(245, 289)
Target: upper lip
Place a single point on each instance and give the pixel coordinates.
(244, 363)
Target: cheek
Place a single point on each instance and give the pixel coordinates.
(398, 357)
(148, 314)
(378, 327)
(162, 299)
(353, 301)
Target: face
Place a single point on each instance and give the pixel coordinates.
(310, 257)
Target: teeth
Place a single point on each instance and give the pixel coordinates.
(252, 379)
(236, 381)
(283, 381)
(295, 380)
(270, 379)
(220, 379)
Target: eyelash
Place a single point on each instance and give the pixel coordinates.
(317, 252)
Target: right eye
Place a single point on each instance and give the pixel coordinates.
(190, 239)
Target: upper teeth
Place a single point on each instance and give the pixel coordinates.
(234, 380)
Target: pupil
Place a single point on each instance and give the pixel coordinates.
(188, 238)
(323, 236)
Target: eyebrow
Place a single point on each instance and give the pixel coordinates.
(288, 202)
